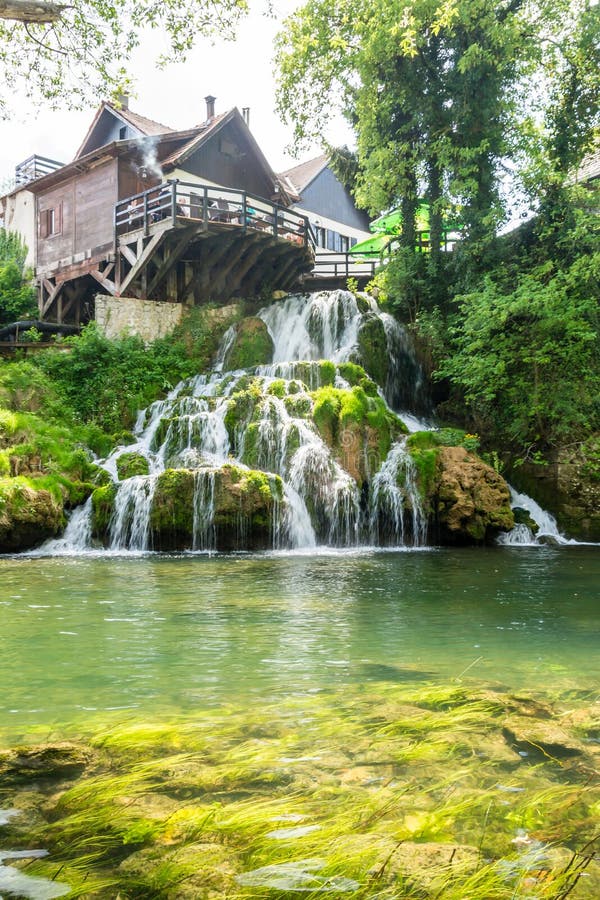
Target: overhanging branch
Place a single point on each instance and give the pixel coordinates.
(31, 10)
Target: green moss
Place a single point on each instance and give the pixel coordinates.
(351, 372)
(130, 464)
(372, 348)
(103, 500)
(354, 406)
(326, 412)
(30, 512)
(299, 406)
(425, 461)
(252, 346)
(277, 388)
(241, 407)
(173, 506)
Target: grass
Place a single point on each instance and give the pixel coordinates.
(387, 792)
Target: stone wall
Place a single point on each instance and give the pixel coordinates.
(150, 319)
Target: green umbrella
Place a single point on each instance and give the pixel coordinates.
(391, 223)
(372, 247)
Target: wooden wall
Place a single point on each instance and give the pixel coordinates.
(85, 203)
(228, 159)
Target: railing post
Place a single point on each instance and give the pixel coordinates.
(205, 208)
(173, 201)
(244, 211)
(145, 221)
(275, 221)
(306, 227)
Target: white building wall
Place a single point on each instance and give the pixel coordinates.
(19, 217)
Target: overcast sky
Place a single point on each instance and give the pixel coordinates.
(237, 74)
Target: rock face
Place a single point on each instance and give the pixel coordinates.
(27, 516)
(470, 500)
(252, 345)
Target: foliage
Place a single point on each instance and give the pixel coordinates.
(526, 354)
(17, 296)
(85, 54)
(106, 382)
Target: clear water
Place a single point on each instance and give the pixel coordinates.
(86, 638)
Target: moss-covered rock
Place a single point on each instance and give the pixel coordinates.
(103, 501)
(130, 464)
(252, 345)
(28, 516)
(238, 505)
(372, 348)
(358, 428)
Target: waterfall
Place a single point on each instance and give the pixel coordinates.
(394, 488)
(547, 529)
(260, 419)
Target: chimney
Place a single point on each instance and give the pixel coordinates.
(123, 100)
(210, 107)
(246, 115)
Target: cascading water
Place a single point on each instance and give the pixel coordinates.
(261, 420)
(522, 535)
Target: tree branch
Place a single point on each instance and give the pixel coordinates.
(31, 10)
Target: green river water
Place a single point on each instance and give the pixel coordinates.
(86, 638)
(418, 724)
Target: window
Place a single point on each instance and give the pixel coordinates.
(122, 132)
(51, 221)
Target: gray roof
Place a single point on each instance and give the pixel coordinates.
(590, 167)
(301, 176)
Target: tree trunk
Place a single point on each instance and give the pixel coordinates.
(30, 10)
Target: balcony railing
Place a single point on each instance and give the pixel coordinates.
(343, 265)
(176, 203)
(35, 167)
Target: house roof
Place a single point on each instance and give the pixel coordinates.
(299, 177)
(590, 167)
(144, 126)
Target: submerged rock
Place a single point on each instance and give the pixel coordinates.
(541, 739)
(52, 761)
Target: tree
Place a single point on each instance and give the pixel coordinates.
(71, 54)
(17, 296)
(436, 91)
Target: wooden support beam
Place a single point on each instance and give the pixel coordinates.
(243, 259)
(170, 259)
(142, 260)
(53, 292)
(108, 285)
(128, 253)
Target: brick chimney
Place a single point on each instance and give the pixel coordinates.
(210, 107)
(123, 100)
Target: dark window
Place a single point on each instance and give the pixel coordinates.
(51, 221)
(122, 132)
(353, 241)
(331, 235)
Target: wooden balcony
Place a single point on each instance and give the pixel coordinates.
(190, 242)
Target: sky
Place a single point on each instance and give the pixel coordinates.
(175, 97)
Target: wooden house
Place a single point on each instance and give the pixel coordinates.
(150, 213)
(144, 211)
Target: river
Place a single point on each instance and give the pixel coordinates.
(89, 638)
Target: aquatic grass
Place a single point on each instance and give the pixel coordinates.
(424, 799)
